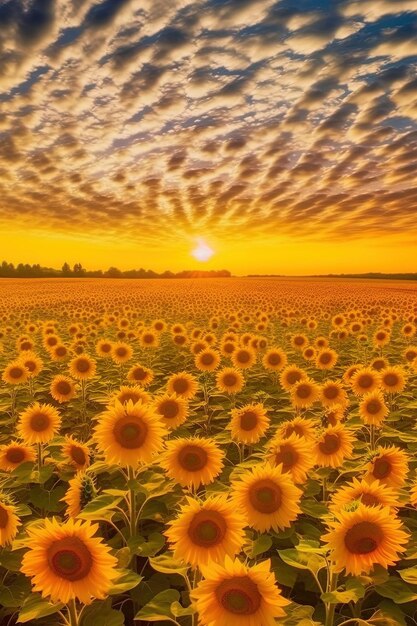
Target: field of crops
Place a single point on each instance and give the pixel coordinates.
(226, 452)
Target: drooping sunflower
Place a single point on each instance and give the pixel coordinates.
(333, 446)
(14, 454)
(365, 380)
(62, 388)
(172, 409)
(9, 523)
(363, 537)
(389, 465)
(121, 352)
(393, 379)
(304, 393)
(290, 375)
(332, 393)
(76, 453)
(274, 359)
(134, 394)
(66, 562)
(38, 423)
(206, 531)
(243, 358)
(183, 384)
(372, 408)
(80, 492)
(249, 423)
(15, 373)
(82, 367)
(229, 380)
(234, 594)
(192, 461)
(207, 360)
(293, 454)
(129, 434)
(368, 493)
(267, 497)
(140, 375)
(301, 426)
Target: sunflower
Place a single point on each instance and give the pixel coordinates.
(249, 423)
(333, 446)
(326, 359)
(80, 492)
(332, 393)
(309, 353)
(381, 337)
(267, 497)
(76, 453)
(104, 348)
(351, 371)
(15, 373)
(243, 358)
(365, 380)
(66, 562)
(140, 375)
(9, 523)
(207, 360)
(192, 461)
(14, 454)
(379, 364)
(121, 352)
(369, 494)
(82, 367)
(389, 466)
(129, 434)
(413, 493)
(62, 388)
(393, 379)
(32, 363)
(183, 384)
(366, 536)
(206, 531)
(291, 375)
(172, 409)
(372, 408)
(234, 594)
(149, 339)
(134, 394)
(59, 352)
(229, 380)
(293, 454)
(299, 342)
(38, 423)
(275, 359)
(304, 393)
(301, 426)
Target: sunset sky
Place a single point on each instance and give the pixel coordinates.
(281, 135)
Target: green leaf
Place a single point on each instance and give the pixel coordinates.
(167, 565)
(128, 580)
(262, 544)
(396, 590)
(102, 615)
(302, 560)
(154, 544)
(409, 575)
(180, 611)
(14, 593)
(35, 607)
(100, 505)
(159, 609)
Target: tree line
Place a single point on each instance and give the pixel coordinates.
(25, 270)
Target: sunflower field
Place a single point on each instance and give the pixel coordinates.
(212, 452)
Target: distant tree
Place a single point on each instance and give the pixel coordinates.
(113, 272)
(66, 269)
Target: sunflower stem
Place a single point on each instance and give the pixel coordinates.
(330, 607)
(72, 613)
(372, 437)
(132, 503)
(39, 458)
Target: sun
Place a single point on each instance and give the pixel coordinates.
(202, 252)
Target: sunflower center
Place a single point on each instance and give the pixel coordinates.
(83, 365)
(293, 377)
(105, 347)
(363, 538)
(61, 351)
(325, 358)
(331, 392)
(243, 356)
(192, 458)
(207, 528)
(128, 395)
(121, 352)
(4, 517)
(148, 338)
(274, 359)
(30, 365)
(391, 380)
(207, 359)
(265, 496)
(229, 380)
(169, 409)
(130, 432)
(303, 391)
(15, 455)
(378, 365)
(373, 407)
(78, 455)
(382, 467)
(299, 341)
(69, 558)
(139, 373)
(365, 381)
(180, 385)
(368, 499)
(15, 372)
(239, 595)
(63, 387)
(287, 456)
(330, 444)
(248, 420)
(39, 422)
